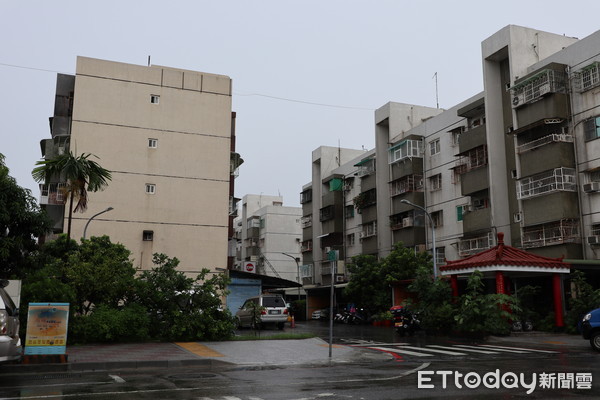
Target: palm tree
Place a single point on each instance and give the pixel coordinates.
(81, 175)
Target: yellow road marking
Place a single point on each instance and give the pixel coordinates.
(199, 349)
(335, 346)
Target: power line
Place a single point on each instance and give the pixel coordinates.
(238, 94)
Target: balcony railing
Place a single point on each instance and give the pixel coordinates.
(406, 149)
(411, 183)
(559, 232)
(306, 271)
(533, 88)
(53, 193)
(306, 221)
(467, 247)
(553, 138)
(558, 179)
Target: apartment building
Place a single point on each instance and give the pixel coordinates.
(168, 137)
(522, 158)
(269, 236)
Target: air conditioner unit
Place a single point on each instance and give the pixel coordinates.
(591, 187)
(339, 278)
(406, 222)
(593, 240)
(518, 100)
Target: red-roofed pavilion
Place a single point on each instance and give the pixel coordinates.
(502, 260)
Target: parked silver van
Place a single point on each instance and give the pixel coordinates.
(273, 311)
(10, 343)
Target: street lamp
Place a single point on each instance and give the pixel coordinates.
(94, 216)
(297, 268)
(432, 233)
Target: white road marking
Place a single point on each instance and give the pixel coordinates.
(463, 348)
(451, 353)
(491, 348)
(518, 348)
(117, 378)
(396, 350)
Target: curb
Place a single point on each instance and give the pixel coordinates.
(112, 365)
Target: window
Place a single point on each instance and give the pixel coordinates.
(594, 176)
(148, 236)
(518, 217)
(349, 211)
(150, 188)
(590, 77)
(434, 147)
(154, 98)
(153, 143)
(438, 218)
(326, 213)
(440, 255)
(435, 182)
(306, 196)
(350, 239)
(591, 128)
(460, 211)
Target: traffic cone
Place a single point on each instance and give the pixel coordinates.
(293, 323)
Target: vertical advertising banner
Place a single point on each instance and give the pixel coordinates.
(47, 328)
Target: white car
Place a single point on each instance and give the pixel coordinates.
(272, 310)
(10, 343)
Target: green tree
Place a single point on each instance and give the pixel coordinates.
(80, 173)
(484, 314)
(21, 222)
(100, 273)
(183, 308)
(366, 287)
(402, 263)
(434, 300)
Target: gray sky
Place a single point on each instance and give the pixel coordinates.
(345, 57)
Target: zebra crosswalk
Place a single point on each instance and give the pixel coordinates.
(452, 350)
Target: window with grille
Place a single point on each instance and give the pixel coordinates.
(326, 213)
(438, 218)
(590, 78)
(434, 147)
(591, 128)
(350, 239)
(440, 255)
(435, 182)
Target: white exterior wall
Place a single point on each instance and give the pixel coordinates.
(282, 233)
(113, 119)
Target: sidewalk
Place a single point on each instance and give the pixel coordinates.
(202, 354)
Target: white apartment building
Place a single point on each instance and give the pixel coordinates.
(167, 136)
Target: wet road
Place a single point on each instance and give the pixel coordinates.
(538, 367)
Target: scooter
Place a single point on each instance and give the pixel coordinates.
(405, 321)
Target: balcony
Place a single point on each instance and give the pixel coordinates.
(365, 167)
(558, 179)
(467, 247)
(307, 245)
(53, 194)
(476, 219)
(472, 138)
(406, 150)
(551, 207)
(306, 221)
(410, 183)
(533, 88)
(474, 180)
(551, 234)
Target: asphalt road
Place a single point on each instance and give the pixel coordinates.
(526, 366)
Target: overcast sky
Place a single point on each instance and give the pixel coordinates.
(305, 73)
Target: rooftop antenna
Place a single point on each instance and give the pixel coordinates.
(437, 102)
(148, 60)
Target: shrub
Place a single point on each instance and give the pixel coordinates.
(105, 325)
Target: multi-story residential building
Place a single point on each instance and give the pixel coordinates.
(167, 136)
(521, 158)
(269, 235)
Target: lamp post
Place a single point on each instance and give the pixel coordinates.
(297, 269)
(432, 233)
(94, 216)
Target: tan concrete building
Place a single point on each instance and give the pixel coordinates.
(167, 136)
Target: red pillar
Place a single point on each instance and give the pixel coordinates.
(454, 285)
(558, 304)
(499, 282)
